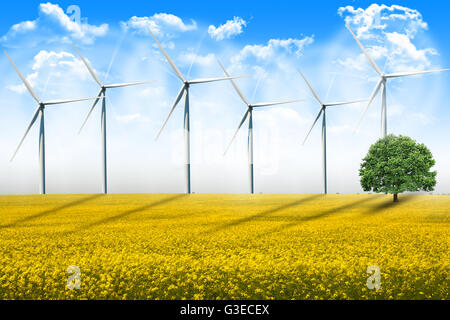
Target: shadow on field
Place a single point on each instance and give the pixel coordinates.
(333, 211)
(127, 213)
(389, 204)
(262, 214)
(51, 211)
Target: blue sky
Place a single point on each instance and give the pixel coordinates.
(267, 40)
(268, 18)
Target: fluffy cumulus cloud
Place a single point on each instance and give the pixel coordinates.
(381, 17)
(269, 50)
(159, 23)
(48, 65)
(52, 59)
(403, 51)
(227, 30)
(53, 14)
(18, 28)
(78, 30)
(389, 34)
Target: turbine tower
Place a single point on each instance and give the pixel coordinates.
(102, 95)
(39, 113)
(249, 114)
(184, 91)
(322, 112)
(382, 85)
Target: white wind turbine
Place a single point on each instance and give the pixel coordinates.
(184, 91)
(249, 114)
(102, 95)
(39, 112)
(322, 112)
(382, 84)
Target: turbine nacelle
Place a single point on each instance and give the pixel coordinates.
(322, 104)
(103, 87)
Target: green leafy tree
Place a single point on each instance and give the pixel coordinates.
(398, 164)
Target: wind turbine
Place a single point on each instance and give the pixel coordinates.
(322, 112)
(102, 95)
(39, 113)
(184, 91)
(382, 85)
(249, 114)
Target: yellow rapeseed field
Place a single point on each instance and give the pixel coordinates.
(224, 246)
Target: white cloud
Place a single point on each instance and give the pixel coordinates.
(381, 17)
(24, 26)
(82, 31)
(158, 22)
(227, 30)
(78, 30)
(405, 51)
(50, 57)
(360, 62)
(20, 27)
(265, 52)
(388, 33)
(53, 64)
(60, 64)
(20, 88)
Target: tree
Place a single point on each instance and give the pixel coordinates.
(397, 164)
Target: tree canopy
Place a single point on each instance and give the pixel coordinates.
(397, 164)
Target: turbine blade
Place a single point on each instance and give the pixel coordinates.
(53, 102)
(375, 92)
(172, 64)
(177, 100)
(128, 84)
(371, 61)
(268, 104)
(25, 82)
(91, 71)
(314, 124)
(99, 96)
(310, 88)
(240, 125)
(33, 120)
(197, 81)
(234, 85)
(404, 74)
(345, 102)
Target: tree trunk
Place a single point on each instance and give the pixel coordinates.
(396, 197)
